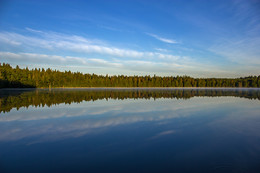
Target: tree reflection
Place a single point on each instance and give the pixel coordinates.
(41, 97)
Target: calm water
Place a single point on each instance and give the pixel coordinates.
(116, 130)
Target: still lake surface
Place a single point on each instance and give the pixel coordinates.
(130, 130)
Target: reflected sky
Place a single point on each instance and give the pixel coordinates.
(78, 119)
(216, 134)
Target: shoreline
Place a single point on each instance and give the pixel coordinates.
(121, 88)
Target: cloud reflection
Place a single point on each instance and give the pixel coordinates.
(75, 120)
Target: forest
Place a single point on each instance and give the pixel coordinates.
(47, 78)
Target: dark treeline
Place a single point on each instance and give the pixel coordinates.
(37, 78)
(43, 97)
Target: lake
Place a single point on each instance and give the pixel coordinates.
(130, 130)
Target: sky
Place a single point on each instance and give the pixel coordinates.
(198, 38)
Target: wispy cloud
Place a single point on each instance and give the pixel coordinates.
(97, 56)
(110, 28)
(33, 30)
(113, 66)
(142, 65)
(165, 40)
(242, 45)
(161, 50)
(244, 51)
(6, 39)
(55, 59)
(74, 43)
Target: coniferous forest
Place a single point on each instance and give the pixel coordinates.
(47, 78)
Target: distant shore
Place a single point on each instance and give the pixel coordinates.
(128, 88)
(47, 78)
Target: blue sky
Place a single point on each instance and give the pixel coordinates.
(206, 38)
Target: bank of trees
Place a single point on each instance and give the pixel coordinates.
(37, 78)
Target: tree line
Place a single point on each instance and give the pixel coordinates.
(47, 78)
(45, 97)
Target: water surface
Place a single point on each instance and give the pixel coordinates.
(130, 130)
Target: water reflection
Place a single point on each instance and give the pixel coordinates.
(158, 132)
(24, 98)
